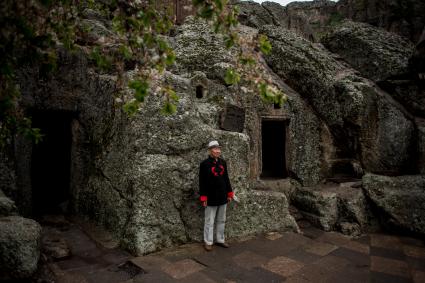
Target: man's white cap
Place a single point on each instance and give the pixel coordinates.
(212, 144)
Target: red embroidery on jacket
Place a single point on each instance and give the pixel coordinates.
(220, 171)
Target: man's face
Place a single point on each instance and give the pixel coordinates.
(215, 152)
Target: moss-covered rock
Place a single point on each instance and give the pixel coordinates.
(374, 52)
(400, 201)
(365, 122)
(20, 240)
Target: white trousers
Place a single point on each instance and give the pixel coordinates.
(212, 213)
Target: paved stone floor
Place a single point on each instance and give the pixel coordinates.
(314, 256)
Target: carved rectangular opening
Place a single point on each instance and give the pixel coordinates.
(51, 162)
(273, 140)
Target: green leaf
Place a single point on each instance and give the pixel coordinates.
(247, 60)
(117, 24)
(168, 108)
(264, 44)
(265, 93)
(131, 107)
(230, 40)
(219, 4)
(171, 58)
(171, 94)
(102, 61)
(141, 89)
(126, 53)
(231, 77)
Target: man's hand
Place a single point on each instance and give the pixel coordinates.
(229, 199)
(204, 203)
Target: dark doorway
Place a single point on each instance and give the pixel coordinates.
(199, 91)
(51, 162)
(273, 138)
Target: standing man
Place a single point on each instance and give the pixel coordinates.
(216, 192)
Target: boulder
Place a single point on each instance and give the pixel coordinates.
(253, 14)
(310, 144)
(193, 43)
(374, 52)
(334, 207)
(319, 207)
(400, 201)
(20, 240)
(365, 121)
(7, 206)
(311, 19)
(271, 214)
(277, 11)
(404, 17)
(409, 93)
(352, 207)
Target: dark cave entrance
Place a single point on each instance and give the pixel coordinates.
(273, 138)
(51, 162)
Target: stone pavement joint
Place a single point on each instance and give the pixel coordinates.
(314, 256)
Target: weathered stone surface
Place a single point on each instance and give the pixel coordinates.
(376, 53)
(309, 144)
(319, 207)
(271, 215)
(253, 14)
(404, 17)
(233, 119)
(400, 201)
(19, 247)
(350, 229)
(138, 177)
(145, 188)
(364, 120)
(277, 11)
(78, 90)
(311, 19)
(421, 145)
(53, 244)
(195, 42)
(7, 173)
(7, 206)
(342, 207)
(410, 93)
(352, 207)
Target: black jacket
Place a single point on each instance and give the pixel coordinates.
(214, 183)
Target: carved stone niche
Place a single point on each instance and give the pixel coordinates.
(233, 119)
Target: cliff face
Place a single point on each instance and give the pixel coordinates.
(404, 17)
(309, 19)
(312, 19)
(355, 106)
